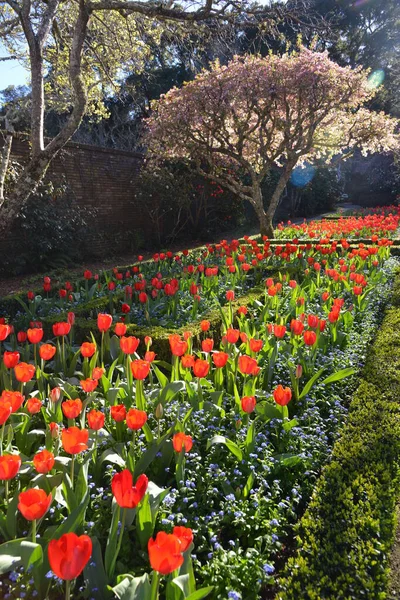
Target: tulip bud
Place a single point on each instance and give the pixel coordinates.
(159, 411)
(299, 371)
(54, 430)
(55, 394)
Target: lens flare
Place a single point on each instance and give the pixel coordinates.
(376, 79)
(302, 175)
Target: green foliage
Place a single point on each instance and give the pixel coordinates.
(320, 194)
(50, 232)
(181, 204)
(346, 534)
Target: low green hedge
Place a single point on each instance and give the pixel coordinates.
(346, 534)
(84, 327)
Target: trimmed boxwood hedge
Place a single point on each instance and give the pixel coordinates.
(346, 534)
(84, 327)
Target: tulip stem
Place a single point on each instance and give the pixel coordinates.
(67, 590)
(118, 548)
(155, 583)
(34, 531)
(72, 470)
(2, 438)
(6, 491)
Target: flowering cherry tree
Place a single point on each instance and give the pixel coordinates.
(233, 124)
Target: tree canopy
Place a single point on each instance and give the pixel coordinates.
(235, 122)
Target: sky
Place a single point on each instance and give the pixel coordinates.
(11, 72)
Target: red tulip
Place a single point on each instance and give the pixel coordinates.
(15, 399)
(248, 404)
(296, 327)
(187, 361)
(43, 461)
(182, 441)
(220, 359)
(60, 329)
(96, 419)
(279, 331)
(118, 412)
(135, 419)
(98, 373)
(309, 337)
(22, 337)
(201, 368)
(120, 329)
(11, 359)
(205, 325)
(184, 535)
(89, 385)
(5, 411)
(125, 493)
(24, 372)
(140, 369)
(72, 408)
(255, 345)
(232, 335)
(178, 346)
(282, 396)
(207, 345)
(33, 405)
(69, 555)
(129, 345)
(10, 464)
(248, 365)
(230, 295)
(34, 503)
(74, 440)
(149, 356)
(88, 349)
(5, 331)
(47, 351)
(104, 322)
(165, 553)
(312, 321)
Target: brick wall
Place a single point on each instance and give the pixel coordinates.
(104, 180)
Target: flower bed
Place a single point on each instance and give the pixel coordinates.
(189, 451)
(383, 221)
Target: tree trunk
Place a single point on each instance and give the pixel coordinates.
(28, 182)
(40, 160)
(258, 205)
(37, 112)
(4, 161)
(276, 196)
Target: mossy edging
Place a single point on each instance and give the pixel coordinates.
(345, 536)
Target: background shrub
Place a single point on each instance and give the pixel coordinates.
(52, 231)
